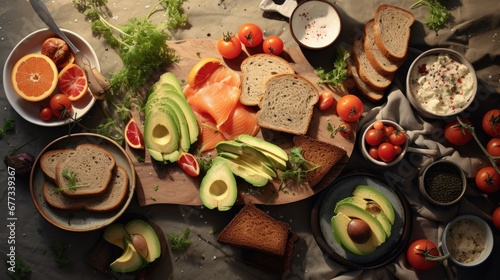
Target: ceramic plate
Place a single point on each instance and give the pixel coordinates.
(30, 110)
(324, 210)
(80, 221)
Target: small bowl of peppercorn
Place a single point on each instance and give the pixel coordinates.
(443, 183)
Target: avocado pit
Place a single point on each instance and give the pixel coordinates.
(359, 231)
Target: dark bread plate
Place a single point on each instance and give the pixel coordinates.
(323, 211)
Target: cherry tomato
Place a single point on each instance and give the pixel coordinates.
(60, 105)
(379, 125)
(326, 100)
(491, 123)
(493, 147)
(399, 150)
(386, 152)
(188, 163)
(389, 130)
(374, 137)
(345, 130)
(419, 254)
(273, 45)
(456, 134)
(229, 46)
(397, 138)
(488, 179)
(46, 114)
(250, 34)
(373, 152)
(496, 218)
(349, 108)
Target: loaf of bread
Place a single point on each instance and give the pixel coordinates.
(114, 196)
(288, 104)
(92, 167)
(253, 229)
(321, 154)
(256, 69)
(380, 62)
(366, 71)
(50, 159)
(392, 31)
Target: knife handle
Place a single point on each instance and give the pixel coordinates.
(101, 81)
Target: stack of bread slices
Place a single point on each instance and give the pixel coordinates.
(85, 178)
(376, 56)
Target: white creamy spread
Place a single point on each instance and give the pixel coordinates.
(441, 84)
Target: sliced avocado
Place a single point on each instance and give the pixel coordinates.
(143, 229)
(340, 222)
(170, 79)
(353, 211)
(218, 188)
(115, 234)
(272, 151)
(250, 175)
(369, 193)
(240, 148)
(129, 261)
(161, 133)
(371, 208)
(250, 163)
(168, 104)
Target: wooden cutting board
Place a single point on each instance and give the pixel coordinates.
(158, 183)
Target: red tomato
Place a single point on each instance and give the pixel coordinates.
(189, 164)
(229, 46)
(456, 134)
(491, 123)
(379, 125)
(273, 45)
(250, 34)
(397, 138)
(60, 105)
(493, 147)
(345, 130)
(399, 150)
(420, 253)
(389, 130)
(46, 114)
(373, 152)
(488, 179)
(326, 100)
(496, 218)
(373, 137)
(386, 152)
(350, 108)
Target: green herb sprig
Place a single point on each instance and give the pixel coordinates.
(180, 242)
(439, 14)
(22, 270)
(338, 74)
(300, 166)
(60, 254)
(73, 184)
(8, 125)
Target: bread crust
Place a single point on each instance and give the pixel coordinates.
(382, 64)
(367, 73)
(50, 159)
(362, 87)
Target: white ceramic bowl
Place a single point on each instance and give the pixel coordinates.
(364, 146)
(424, 108)
(315, 24)
(488, 240)
(30, 110)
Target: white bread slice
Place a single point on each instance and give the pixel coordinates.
(392, 31)
(363, 88)
(288, 104)
(50, 159)
(256, 69)
(366, 72)
(110, 200)
(379, 61)
(93, 167)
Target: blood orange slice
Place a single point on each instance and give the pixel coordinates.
(34, 77)
(73, 82)
(133, 135)
(188, 163)
(202, 70)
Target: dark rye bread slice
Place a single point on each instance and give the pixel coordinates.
(367, 73)
(362, 87)
(114, 196)
(319, 153)
(50, 159)
(379, 61)
(392, 31)
(253, 229)
(92, 167)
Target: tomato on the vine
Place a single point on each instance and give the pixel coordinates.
(229, 46)
(488, 179)
(350, 108)
(250, 34)
(386, 152)
(273, 45)
(491, 123)
(496, 218)
(456, 134)
(493, 147)
(45, 113)
(60, 105)
(420, 254)
(326, 100)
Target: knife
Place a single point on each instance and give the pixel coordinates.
(98, 84)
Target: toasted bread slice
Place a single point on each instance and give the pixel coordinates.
(323, 154)
(253, 229)
(92, 167)
(50, 159)
(114, 196)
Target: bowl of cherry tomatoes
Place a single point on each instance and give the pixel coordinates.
(384, 143)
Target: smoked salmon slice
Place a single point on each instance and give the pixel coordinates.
(209, 135)
(242, 121)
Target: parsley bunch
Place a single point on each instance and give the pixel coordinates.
(439, 14)
(338, 74)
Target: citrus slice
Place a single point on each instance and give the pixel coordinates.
(202, 70)
(188, 163)
(133, 135)
(34, 77)
(73, 82)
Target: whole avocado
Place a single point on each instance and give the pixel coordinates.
(22, 162)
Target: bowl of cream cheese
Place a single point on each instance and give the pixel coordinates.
(441, 83)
